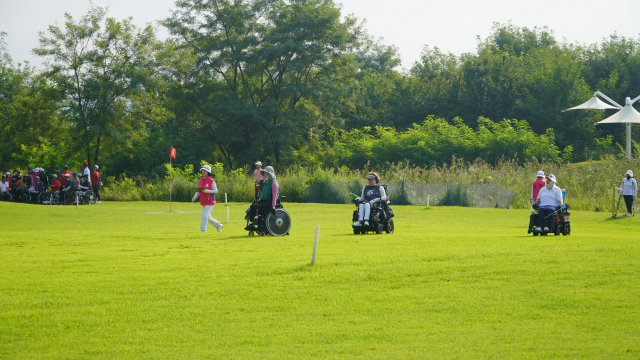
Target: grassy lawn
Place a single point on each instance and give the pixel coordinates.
(114, 280)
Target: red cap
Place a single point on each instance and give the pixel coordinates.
(85, 163)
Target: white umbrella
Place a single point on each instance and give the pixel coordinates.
(628, 115)
(593, 104)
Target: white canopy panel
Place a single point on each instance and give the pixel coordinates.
(628, 115)
(593, 104)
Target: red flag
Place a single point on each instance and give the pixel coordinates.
(172, 152)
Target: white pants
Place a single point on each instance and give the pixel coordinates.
(206, 217)
(364, 211)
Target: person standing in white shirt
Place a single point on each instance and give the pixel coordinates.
(4, 189)
(550, 200)
(629, 190)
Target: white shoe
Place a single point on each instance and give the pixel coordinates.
(219, 228)
(357, 223)
(628, 214)
(538, 229)
(98, 202)
(546, 229)
(203, 231)
(366, 223)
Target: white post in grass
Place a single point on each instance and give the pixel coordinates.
(76, 194)
(227, 215)
(428, 199)
(225, 200)
(315, 245)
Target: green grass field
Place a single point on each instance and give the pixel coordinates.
(113, 280)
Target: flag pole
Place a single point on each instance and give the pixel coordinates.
(170, 179)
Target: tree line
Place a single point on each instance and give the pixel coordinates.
(298, 83)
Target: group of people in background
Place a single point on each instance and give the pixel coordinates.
(35, 181)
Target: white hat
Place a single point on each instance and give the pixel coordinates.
(67, 175)
(259, 163)
(55, 176)
(630, 173)
(96, 167)
(269, 170)
(8, 173)
(206, 167)
(552, 178)
(540, 173)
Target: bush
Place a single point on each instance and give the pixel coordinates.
(455, 195)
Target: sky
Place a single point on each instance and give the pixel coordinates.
(452, 25)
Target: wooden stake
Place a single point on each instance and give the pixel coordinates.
(315, 245)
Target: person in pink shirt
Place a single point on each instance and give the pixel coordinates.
(537, 185)
(207, 194)
(259, 180)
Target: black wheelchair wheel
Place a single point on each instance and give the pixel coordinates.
(379, 228)
(389, 227)
(88, 198)
(567, 230)
(356, 230)
(278, 223)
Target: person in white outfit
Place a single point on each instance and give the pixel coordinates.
(207, 191)
(371, 194)
(629, 190)
(550, 200)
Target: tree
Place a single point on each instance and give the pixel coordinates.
(28, 115)
(262, 70)
(105, 74)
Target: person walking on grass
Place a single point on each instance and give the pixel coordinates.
(550, 200)
(629, 190)
(536, 186)
(259, 179)
(207, 191)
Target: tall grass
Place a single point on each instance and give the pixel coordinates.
(589, 185)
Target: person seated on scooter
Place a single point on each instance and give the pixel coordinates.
(73, 185)
(38, 188)
(65, 187)
(371, 193)
(85, 185)
(55, 184)
(629, 190)
(268, 196)
(550, 200)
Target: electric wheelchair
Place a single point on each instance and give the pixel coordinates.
(560, 222)
(380, 217)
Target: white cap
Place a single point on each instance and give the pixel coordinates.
(259, 163)
(269, 170)
(540, 173)
(67, 175)
(55, 176)
(8, 173)
(552, 178)
(206, 167)
(630, 173)
(96, 167)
